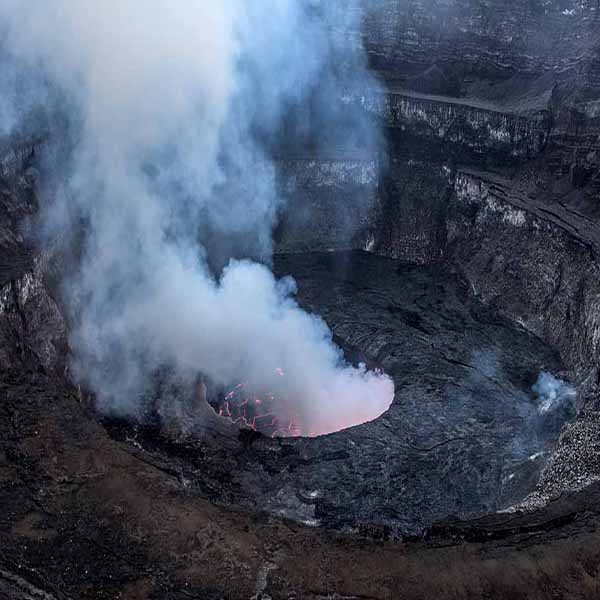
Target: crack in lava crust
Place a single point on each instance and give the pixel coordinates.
(268, 414)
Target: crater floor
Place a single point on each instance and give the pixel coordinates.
(463, 436)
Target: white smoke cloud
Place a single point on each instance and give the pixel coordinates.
(175, 104)
(553, 394)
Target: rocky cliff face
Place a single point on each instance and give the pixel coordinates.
(334, 202)
(537, 262)
(488, 39)
(33, 332)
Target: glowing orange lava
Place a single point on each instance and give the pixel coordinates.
(270, 414)
(248, 410)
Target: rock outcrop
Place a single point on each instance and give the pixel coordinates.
(33, 331)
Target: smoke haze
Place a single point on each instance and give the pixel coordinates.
(174, 109)
(553, 394)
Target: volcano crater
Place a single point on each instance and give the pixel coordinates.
(464, 436)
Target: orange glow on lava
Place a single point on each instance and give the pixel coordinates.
(269, 414)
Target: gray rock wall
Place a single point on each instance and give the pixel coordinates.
(490, 38)
(537, 265)
(480, 127)
(33, 331)
(331, 203)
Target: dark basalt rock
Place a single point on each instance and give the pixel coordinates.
(33, 332)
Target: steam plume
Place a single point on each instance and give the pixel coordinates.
(175, 108)
(553, 394)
